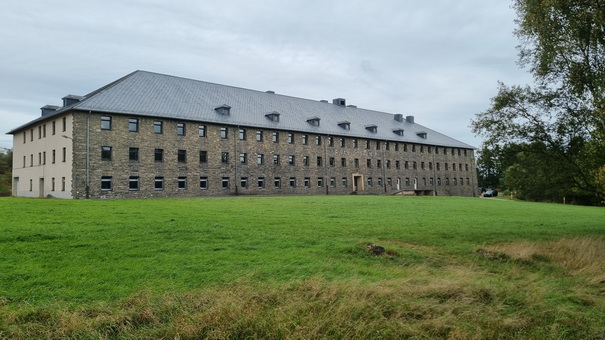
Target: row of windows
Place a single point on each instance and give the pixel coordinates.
(158, 127)
(159, 182)
(42, 130)
(53, 184)
(42, 157)
(133, 155)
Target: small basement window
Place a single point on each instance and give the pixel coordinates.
(224, 110)
(273, 116)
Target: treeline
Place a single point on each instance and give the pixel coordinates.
(6, 165)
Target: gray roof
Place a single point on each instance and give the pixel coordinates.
(150, 94)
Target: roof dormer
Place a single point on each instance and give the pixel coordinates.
(372, 128)
(398, 132)
(273, 116)
(224, 110)
(345, 125)
(313, 121)
(421, 134)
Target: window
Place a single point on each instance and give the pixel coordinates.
(31, 134)
(159, 183)
(44, 134)
(225, 182)
(273, 116)
(259, 159)
(422, 165)
(389, 181)
(243, 182)
(259, 135)
(224, 157)
(106, 153)
(330, 141)
(343, 162)
(182, 156)
(424, 181)
(317, 140)
(397, 165)
(158, 155)
(407, 181)
(367, 144)
(355, 144)
(447, 181)
(388, 163)
(356, 161)
(379, 181)
(201, 130)
(421, 148)
(387, 146)
(413, 147)
(224, 133)
(341, 142)
(291, 160)
(62, 183)
(290, 138)
(415, 165)
(133, 125)
(54, 156)
(261, 182)
(430, 165)
(307, 182)
(105, 123)
(276, 159)
(182, 183)
(54, 130)
(242, 134)
(369, 163)
(320, 182)
(180, 129)
(305, 139)
(223, 110)
(243, 158)
(203, 183)
(52, 187)
(277, 182)
(64, 155)
(275, 137)
(378, 163)
(106, 183)
(306, 160)
(203, 156)
(438, 165)
(313, 121)
(333, 182)
(133, 154)
(369, 181)
(39, 131)
(292, 182)
(319, 161)
(332, 161)
(344, 182)
(133, 183)
(158, 126)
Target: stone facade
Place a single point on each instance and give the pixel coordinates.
(291, 163)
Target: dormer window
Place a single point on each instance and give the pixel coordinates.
(273, 116)
(313, 121)
(421, 134)
(224, 110)
(372, 128)
(398, 132)
(345, 125)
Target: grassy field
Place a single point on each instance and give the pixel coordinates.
(297, 268)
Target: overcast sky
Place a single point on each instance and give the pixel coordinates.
(438, 60)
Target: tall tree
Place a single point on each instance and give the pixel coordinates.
(563, 44)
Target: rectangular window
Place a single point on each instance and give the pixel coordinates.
(341, 141)
(259, 159)
(54, 156)
(24, 137)
(225, 182)
(292, 182)
(133, 125)
(320, 182)
(52, 184)
(317, 140)
(306, 160)
(305, 139)
(182, 156)
(369, 181)
(330, 141)
(105, 123)
(276, 159)
(133, 183)
(259, 135)
(277, 182)
(242, 134)
(39, 131)
(106, 153)
(31, 135)
(180, 129)
(64, 155)
(388, 164)
(367, 144)
(201, 130)
(397, 165)
(62, 183)
(378, 163)
(64, 120)
(414, 165)
(369, 163)
(243, 158)
(422, 165)
(24, 161)
(355, 146)
(159, 183)
(377, 145)
(44, 132)
(333, 182)
(396, 146)
(182, 183)
(379, 181)
(290, 138)
(261, 182)
(438, 165)
(44, 157)
(243, 182)
(224, 157)
(275, 137)
(158, 126)
(307, 182)
(133, 154)
(344, 182)
(291, 160)
(319, 161)
(332, 161)
(158, 155)
(224, 133)
(203, 183)
(203, 156)
(54, 129)
(356, 161)
(343, 162)
(106, 183)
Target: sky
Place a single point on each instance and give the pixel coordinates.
(437, 60)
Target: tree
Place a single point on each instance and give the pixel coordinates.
(560, 121)
(6, 165)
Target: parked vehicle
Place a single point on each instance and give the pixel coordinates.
(490, 193)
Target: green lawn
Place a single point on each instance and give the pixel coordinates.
(97, 255)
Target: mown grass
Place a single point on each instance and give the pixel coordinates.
(297, 268)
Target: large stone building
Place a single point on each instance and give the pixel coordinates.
(153, 135)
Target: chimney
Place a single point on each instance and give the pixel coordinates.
(399, 117)
(271, 92)
(48, 109)
(339, 102)
(71, 99)
(409, 119)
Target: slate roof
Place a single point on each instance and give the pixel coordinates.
(143, 93)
